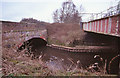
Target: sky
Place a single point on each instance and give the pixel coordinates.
(15, 10)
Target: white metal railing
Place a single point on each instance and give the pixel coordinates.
(106, 13)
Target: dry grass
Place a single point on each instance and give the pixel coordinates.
(19, 64)
(64, 34)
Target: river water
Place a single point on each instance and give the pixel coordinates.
(60, 60)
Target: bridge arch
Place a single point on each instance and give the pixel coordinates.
(35, 42)
(114, 65)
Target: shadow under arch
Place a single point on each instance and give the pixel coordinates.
(114, 65)
(33, 43)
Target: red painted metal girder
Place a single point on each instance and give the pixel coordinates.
(108, 25)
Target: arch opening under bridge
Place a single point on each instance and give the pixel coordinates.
(33, 43)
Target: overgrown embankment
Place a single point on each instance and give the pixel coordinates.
(64, 34)
(19, 64)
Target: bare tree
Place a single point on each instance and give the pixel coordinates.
(68, 13)
(56, 17)
(118, 7)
